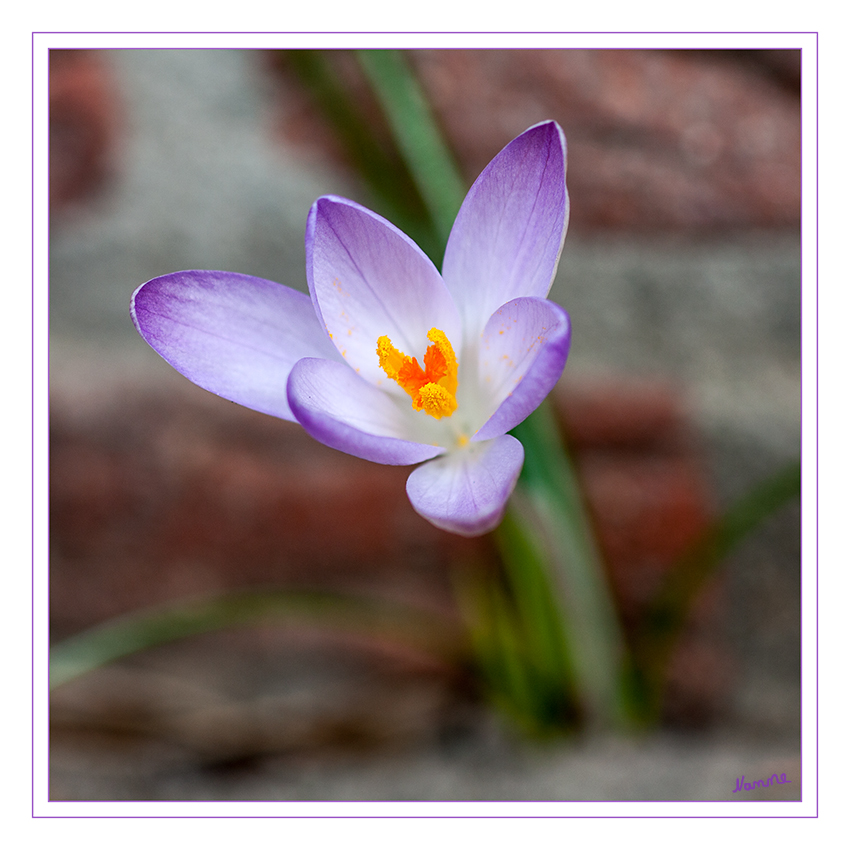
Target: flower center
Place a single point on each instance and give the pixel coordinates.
(432, 388)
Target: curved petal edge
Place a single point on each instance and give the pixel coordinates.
(466, 492)
(341, 410)
(508, 236)
(524, 349)
(236, 335)
(368, 279)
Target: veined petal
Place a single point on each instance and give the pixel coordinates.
(367, 280)
(337, 408)
(466, 491)
(235, 335)
(508, 235)
(523, 350)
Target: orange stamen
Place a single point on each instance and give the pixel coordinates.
(431, 389)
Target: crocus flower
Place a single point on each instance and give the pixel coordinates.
(386, 359)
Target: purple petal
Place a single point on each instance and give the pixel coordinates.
(367, 280)
(466, 491)
(508, 236)
(339, 409)
(523, 351)
(232, 334)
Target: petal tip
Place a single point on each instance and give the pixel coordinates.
(471, 528)
(465, 494)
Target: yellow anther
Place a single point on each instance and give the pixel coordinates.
(390, 358)
(436, 401)
(431, 389)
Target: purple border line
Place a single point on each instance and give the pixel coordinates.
(816, 498)
(32, 428)
(435, 802)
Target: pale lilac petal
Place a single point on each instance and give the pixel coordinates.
(523, 351)
(367, 280)
(508, 236)
(466, 491)
(337, 408)
(232, 334)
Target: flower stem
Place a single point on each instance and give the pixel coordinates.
(417, 135)
(549, 487)
(562, 613)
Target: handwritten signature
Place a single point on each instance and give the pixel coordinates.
(760, 783)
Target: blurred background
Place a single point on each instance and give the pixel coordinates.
(681, 272)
